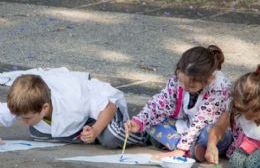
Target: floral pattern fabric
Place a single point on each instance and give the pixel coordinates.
(216, 98)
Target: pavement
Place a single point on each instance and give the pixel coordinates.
(133, 48)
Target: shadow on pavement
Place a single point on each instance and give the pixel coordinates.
(230, 16)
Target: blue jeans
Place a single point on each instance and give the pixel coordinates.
(164, 135)
(222, 145)
(159, 136)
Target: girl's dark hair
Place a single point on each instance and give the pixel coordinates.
(199, 62)
(246, 95)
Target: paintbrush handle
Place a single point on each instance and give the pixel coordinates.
(123, 150)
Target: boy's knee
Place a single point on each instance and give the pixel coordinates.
(108, 140)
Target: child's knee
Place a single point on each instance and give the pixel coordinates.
(108, 140)
(110, 144)
(203, 137)
(225, 142)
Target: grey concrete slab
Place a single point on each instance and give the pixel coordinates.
(210, 13)
(117, 44)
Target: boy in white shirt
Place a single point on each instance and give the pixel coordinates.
(67, 108)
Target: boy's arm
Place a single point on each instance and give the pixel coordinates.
(90, 133)
(104, 118)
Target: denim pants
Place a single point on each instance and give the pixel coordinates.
(159, 137)
(222, 145)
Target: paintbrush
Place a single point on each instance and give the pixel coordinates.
(123, 150)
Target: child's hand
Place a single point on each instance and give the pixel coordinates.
(88, 135)
(1, 141)
(211, 154)
(131, 126)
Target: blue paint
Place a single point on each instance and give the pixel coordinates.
(30, 56)
(184, 159)
(121, 158)
(14, 68)
(51, 19)
(69, 27)
(22, 143)
(125, 159)
(167, 13)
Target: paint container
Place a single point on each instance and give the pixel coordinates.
(177, 162)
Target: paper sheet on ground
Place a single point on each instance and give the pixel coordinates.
(13, 145)
(127, 159)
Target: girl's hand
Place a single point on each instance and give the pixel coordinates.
(175, 153)
(88, 135)
(131, 126)
(211, 154)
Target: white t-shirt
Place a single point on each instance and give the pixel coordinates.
(74, 99)
(250, 128)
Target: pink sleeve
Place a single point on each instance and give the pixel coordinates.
(210, 110)
(159, 107)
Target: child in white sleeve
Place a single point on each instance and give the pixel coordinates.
(244, 120)
(68, 107)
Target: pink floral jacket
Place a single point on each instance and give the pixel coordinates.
(216, 98)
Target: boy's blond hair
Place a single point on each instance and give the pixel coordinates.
(28, 93)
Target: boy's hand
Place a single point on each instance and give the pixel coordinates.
(211, 154)
(88, 135)
(131, 126)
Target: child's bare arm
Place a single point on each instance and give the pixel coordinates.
(105, 118)
(89, 134)
(215, 135)
(218, 131)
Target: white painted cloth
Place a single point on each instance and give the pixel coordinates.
(135, 159)
(14, 145)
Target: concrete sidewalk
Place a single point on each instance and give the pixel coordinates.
(134, 52)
